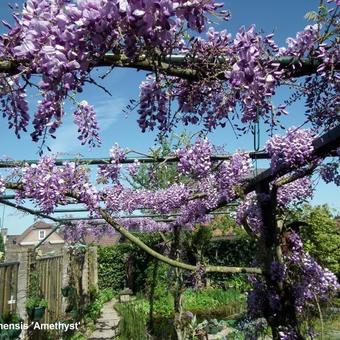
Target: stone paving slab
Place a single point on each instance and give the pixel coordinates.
(107, 323)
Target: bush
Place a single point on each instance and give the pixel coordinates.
(112, 270)
(240, 251)
(112, 267)
(133, 321)
(320, 235)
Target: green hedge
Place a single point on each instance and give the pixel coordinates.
(112, 267)
(237, 252)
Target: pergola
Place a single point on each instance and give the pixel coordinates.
(324, 146)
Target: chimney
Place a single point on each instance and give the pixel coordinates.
(3, 232)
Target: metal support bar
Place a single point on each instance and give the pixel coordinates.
(105, 161)
(28, 210)
(160, 218)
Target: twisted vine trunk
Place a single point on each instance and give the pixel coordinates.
(270, 243)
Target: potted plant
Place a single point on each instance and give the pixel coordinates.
(13, 332)
(35, 307)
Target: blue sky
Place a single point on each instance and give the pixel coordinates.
(284, 18)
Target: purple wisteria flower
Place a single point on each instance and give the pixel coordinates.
(133, 167)
(112, 170)
(295, 192)
(330, 172)
(196, 159)
(86, 120)
(293, 149)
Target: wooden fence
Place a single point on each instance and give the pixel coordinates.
(50, 272)
(8, 286)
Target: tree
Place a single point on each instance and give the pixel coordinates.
(213, 81)
(320, 234)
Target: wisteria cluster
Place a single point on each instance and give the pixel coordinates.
(49, 185)
(293, 149)
(311, 281)
(232, 173)
(154, 105)
(120, 199)
(81, 231)
(112, 171)
(295, 192)
(302, 44)
(244, 72)
(249, 212)
(14, 105)
(85, 119)
(62, 40)
(249, 79)
(196, 159)
(134, 167)
(144, 224)
(330, 173)
(306, 280)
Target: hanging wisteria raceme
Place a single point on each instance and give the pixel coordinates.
(154, 104)
(249, 212)
(330, 172)
(62, 40)
(232, 173)
(295, 192)
(310, 280)
(293, 149)
(14, 105)
(134, 167)
(112, 170)
(48, 116)
(196, 159)
(48, 185)
(88, 129)
(83, 231)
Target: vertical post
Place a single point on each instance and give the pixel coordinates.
(64, 279)
(271, 252)
(23, 277)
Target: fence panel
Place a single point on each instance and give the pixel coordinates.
(8, 286)
(50, 271)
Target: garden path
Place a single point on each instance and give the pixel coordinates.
(107, 323)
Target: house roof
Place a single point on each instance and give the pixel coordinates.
(37, 225)
(105, 240)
